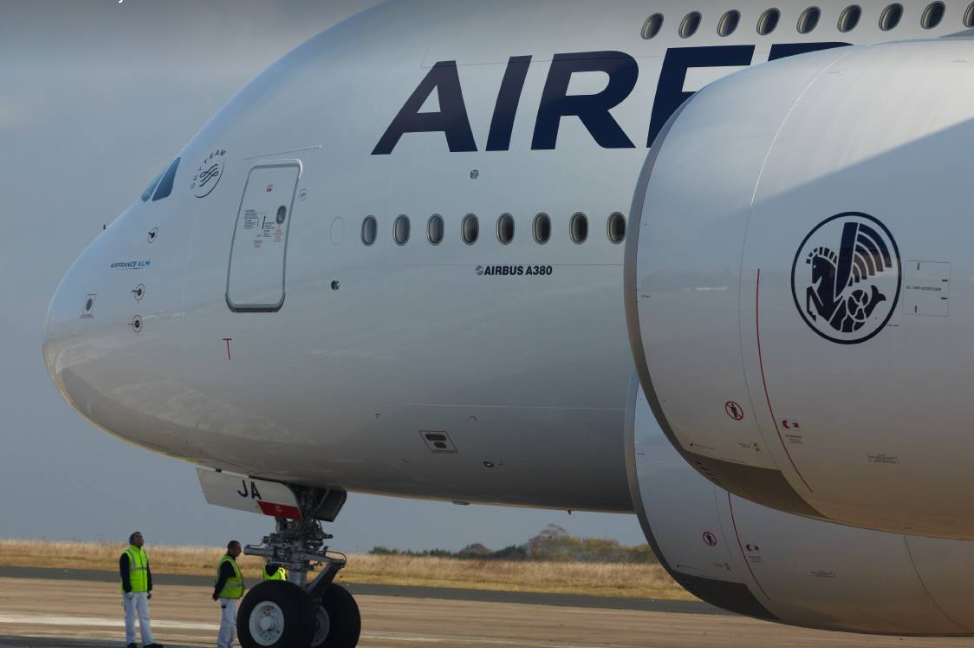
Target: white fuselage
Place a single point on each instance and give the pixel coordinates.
(518, 351)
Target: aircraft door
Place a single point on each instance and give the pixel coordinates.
(258, 252)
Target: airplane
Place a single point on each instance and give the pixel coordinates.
(445, 317)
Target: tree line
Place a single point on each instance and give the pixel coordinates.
(553, 544)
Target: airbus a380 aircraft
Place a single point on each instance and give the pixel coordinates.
(393, 263)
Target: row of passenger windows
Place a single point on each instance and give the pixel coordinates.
(615, 228)
(849, 19)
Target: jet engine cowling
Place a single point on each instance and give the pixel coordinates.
(763, 563)
(800, 285)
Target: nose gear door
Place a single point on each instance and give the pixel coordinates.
(258, 253)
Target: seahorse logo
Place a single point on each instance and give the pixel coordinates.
(846, 278)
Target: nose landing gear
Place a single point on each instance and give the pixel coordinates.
(339, 621)
(276, 614)
(295, 613)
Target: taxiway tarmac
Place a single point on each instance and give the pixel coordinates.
(61, 613)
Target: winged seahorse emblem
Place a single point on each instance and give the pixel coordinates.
(835, 294)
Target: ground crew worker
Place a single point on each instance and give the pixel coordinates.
(273, 571)
(228, 590)
(133, 567)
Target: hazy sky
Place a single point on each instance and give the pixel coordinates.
(95, 98)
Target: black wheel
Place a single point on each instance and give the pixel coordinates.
(338, 622)
(276, 614)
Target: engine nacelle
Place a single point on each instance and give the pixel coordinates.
(800, 285)
(764, 563)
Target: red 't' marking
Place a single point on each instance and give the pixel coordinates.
(228, 341)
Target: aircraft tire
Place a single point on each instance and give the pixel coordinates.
(342, 615)
(276, 614)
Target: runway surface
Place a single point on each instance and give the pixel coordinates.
(63, 613)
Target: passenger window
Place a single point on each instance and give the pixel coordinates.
(505, 229)
(690, 24)
(932, 15)
(768, 21)
(850, 18)
(579, 228)
(470, 229)
(369, 230)
(542, 228)
(616, 227)
(652, 26)
(890, 17)
(434, 229)
(969, 16)
(400, 230)
(728, 23)
(152, 187)
(166, 183)
(809, 20)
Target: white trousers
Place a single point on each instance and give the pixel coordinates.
(137, 603)
(228, 623)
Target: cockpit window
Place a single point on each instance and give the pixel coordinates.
(152, 187)
(166, 183)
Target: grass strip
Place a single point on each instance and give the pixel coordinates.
(590, 579)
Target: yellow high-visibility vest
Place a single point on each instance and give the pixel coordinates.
(280, 574)
(138, 569)
(234, 588)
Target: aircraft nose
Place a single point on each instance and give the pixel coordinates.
(112, 336)
(101, 344)
(71, 328)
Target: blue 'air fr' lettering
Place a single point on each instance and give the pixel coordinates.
(593, 110)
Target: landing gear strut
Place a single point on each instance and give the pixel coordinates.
(298, 613)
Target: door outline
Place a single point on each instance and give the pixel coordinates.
(264, 308)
